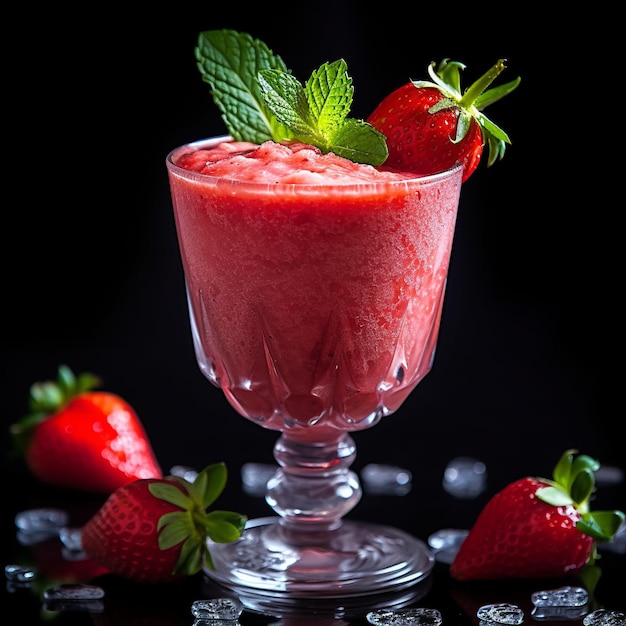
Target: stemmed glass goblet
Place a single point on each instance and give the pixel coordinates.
(315, 308)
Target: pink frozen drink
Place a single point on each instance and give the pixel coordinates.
(315, 283)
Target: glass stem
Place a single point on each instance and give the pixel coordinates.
(314, 487)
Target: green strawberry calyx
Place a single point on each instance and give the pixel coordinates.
(193, 524)
(446, 77)
(573, 484)
(47, 398)
(260, 99)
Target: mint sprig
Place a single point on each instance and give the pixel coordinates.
(229, 62)
(318, 112)
(261, 100)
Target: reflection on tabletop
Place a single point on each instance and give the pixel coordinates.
(47, 534)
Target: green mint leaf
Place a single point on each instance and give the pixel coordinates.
(317, 113)
(286, 99)
(329, 93)
(229, 62)
(360, 142)
(260, 100)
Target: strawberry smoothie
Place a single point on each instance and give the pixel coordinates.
(315, 284)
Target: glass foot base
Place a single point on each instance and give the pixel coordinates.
(358, 559)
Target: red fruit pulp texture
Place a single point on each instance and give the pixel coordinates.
(315, 284)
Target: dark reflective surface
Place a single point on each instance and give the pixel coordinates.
(170, 605)
(93, 279)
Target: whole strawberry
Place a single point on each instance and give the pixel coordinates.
(538, 528)
(79, 438)
(155, 530)
(431, 126)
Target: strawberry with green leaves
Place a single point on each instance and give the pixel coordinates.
(79, 438)
(156, 530)
(538, 528)
(431, 125)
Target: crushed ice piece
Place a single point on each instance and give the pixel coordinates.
(502, 613)
(72, 544)
(465, 477)
(382, 479)
(85, 606)
(566, 596)
(560, 613)
(254, 477)
(217, 609)
(609, 475)
(605, 617)
(43, 520)
(19, 574)
(186, 473)
(71, 538)
(404, 617)
(73, 591)
(35, 537)
(445, 543)
(215, 622)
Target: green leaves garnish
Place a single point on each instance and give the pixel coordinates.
(261, 100)
(447, 78)
(194, 523)
(317, 113)
(574, 484)
(229, 62)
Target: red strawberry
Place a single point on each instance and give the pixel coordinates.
(538, 528)
(431, 126)
(83, 439)
(155, 530)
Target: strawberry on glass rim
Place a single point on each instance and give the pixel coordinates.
(432, 125)
(537, 527)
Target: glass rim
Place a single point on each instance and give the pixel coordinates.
(358, 185)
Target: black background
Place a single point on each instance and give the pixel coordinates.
(529, 354)
(90, 270)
